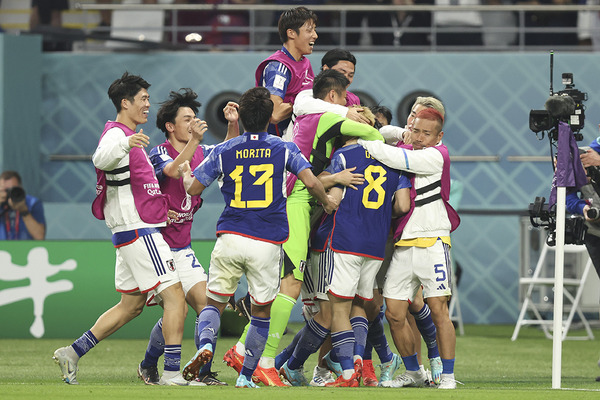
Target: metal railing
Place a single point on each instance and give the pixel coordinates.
(260, 28)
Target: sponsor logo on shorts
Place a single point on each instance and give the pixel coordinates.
(171, 265)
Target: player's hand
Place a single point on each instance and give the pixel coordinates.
(197, 128)
(230, 112)
(139, 140)
(590, 158)
(171, 216)
(185, 169)
(350, 179)
(331, 206)
(354, 113)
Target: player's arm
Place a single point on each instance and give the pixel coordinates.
(192, 185)
(114, 145)
(360, 130)
(281, 110)
(276, 78)
(316, 189)
(230, 112)
(345, 178)
(393, 134)
(426, 161)
(174, 169)
(401, 202)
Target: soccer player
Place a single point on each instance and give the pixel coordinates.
(287, 71)
(129, 198)
(421, 255)
(252, 173)
(175, 118)
(314, 134)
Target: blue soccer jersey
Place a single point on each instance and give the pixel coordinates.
(252, 171)
(362, 222)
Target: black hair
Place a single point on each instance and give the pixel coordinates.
(327, 80)
(383, 110)
(126, 87)
(186, 97)
(332, 57)
(293, 19)
(255, 109)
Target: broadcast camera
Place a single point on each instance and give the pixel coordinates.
(565, 105)
(541, 216)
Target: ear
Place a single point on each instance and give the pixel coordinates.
(291, 34)
(170, 126)
(125, 104)
(440, 136)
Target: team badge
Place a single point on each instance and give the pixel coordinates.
(171, 265)
(253, 137)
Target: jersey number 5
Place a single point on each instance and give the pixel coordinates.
(265, 179)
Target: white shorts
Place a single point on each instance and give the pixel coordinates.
(189, 269)
(235, 255)
(146, 265)
(353, 276)
(412, 267)
(318, 275)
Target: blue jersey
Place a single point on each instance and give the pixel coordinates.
(362, 222)
(252, 171)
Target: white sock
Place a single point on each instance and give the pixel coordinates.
(267, 362)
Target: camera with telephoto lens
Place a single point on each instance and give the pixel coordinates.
(541, 216)
(593, 213)
(565, 105)
(16, 194)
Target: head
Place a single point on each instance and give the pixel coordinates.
(427, 129)
(383, 116)
(340, 60)
(176, 113)
(9, 180)
(130, 96)
(368, 114)
(299, 24)
(422, 103)
(255, 109)
(330, 85)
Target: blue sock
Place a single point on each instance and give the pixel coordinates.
(376, 337)
(209, 322)
(196, 333)
(313, 337)
(156, 346)
(172, 357)
(360, 326)
(287, 352)
(411, 362)
(428, 331)
(368, 353)
(343, 348)
(256, 338)
(85, 343)
(448, 366)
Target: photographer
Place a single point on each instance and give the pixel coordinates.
(21, 215)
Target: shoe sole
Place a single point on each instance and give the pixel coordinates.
(192, 369)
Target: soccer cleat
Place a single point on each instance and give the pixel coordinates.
(321, 376)
(436, 369)
(447, 381)
(335, 367)
(201, 358)
(388, 369)
(234, 360)
(358, 369)
(409, 379)
(243, 382)
(294, 376)
(148, 375)
(267, 376)
(172, 378)
(368, 374)
(341, 382)
(67, 359)
(210, 379)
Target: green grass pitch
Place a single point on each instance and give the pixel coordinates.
(487, 362)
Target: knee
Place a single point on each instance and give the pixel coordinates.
(395, 318)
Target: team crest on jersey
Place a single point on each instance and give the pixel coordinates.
(171, 265)
(254, 137)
